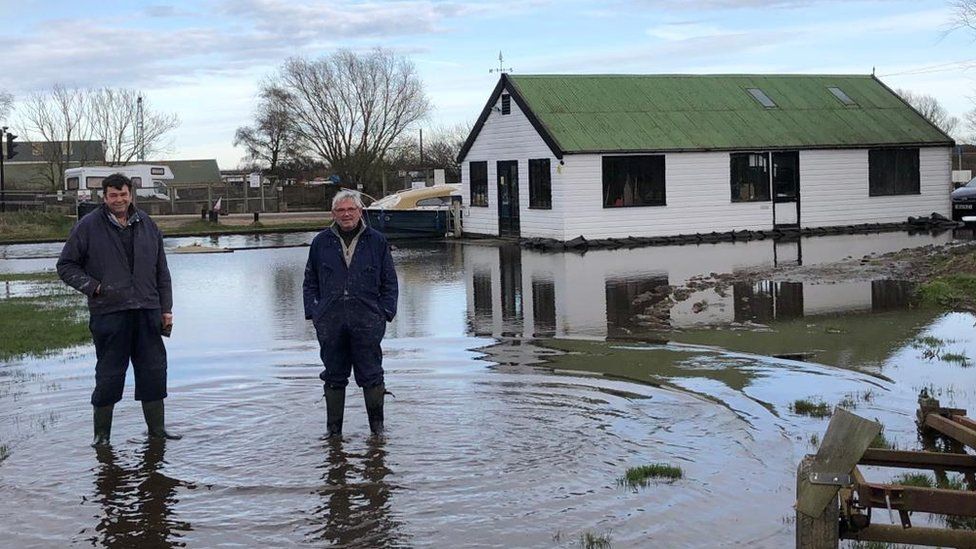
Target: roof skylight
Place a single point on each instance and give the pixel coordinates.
(839, 94)
(761, 96)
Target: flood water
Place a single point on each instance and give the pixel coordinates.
(525, 385)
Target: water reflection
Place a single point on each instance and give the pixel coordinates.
(355, 508)
(137, 500)
(639, 293)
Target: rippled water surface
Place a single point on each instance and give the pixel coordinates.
(498, 436)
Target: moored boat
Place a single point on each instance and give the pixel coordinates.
(422, 212)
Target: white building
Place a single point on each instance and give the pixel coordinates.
(562, 156)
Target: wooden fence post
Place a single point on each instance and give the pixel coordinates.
(819, 532)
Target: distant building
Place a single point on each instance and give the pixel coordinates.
(80, 152)
(559, 156)
(188, 173)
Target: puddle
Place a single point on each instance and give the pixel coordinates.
(526, 385)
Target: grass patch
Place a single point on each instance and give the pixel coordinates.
(951, 291)
(881, 441)
(29, 226)
(47, 276)
(644, 474)
(956, 358)
(589, 540)
(201, 227)
(37, 325)
(806, 407)
(920, 480)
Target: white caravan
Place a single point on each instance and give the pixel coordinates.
(148, 180)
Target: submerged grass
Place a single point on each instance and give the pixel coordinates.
(643, 474)
(47, 276)
(806, 407)
(956, 358)
(37, 325)
(589, 540)
(881, 441)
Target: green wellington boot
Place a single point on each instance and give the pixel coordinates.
(335, 405)
(374, 406)
(103, 425)
(156, 420)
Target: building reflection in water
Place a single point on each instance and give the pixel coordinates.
(625, 293)
(629, 302)
(137, 500)
(544, 307)
(355, 508)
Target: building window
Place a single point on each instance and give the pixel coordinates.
(506, 104)
(540, 184)
(749, 177)
(478, 177)
(136, 182)
(72, 183)
(893, 172)
(633, 181)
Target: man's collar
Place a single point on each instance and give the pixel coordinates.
(131, 217)
(338, 230)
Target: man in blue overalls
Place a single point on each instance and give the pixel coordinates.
(350, 293)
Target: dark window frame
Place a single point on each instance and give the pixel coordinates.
(478, 187)
(894, 171)
(647, 169)
(540, 184)
(506, 103)
(738, 185)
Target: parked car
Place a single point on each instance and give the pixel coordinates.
(964, 200)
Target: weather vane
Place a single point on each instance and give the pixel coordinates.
(501, 65)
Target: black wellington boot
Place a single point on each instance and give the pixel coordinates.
(374, 406)
(335, 405)
(155, 415)
(102, 417)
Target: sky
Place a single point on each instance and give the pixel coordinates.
(204, 60)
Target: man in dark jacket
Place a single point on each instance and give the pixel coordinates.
(350, 293)
(115, 256)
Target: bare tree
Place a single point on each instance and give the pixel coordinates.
(6, 103)
(439, 150)
(57, 118)
(963, 14)
(348, 108)
(113, 116)
(272, 139)
(62, 119)
(931, 109)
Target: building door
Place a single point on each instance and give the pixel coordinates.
(508, 198)
(786, 189)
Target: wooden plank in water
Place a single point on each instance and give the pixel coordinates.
(951, 428)
(963, 463)
(844, 443)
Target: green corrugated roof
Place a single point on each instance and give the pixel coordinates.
(593, 113)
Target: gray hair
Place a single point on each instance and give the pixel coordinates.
(347, 194)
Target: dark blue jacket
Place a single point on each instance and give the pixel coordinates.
(94, 254)
(370, 278)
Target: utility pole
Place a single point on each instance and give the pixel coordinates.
(3, 154)
(140, 135)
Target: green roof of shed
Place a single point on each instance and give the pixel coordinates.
(619, 113)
